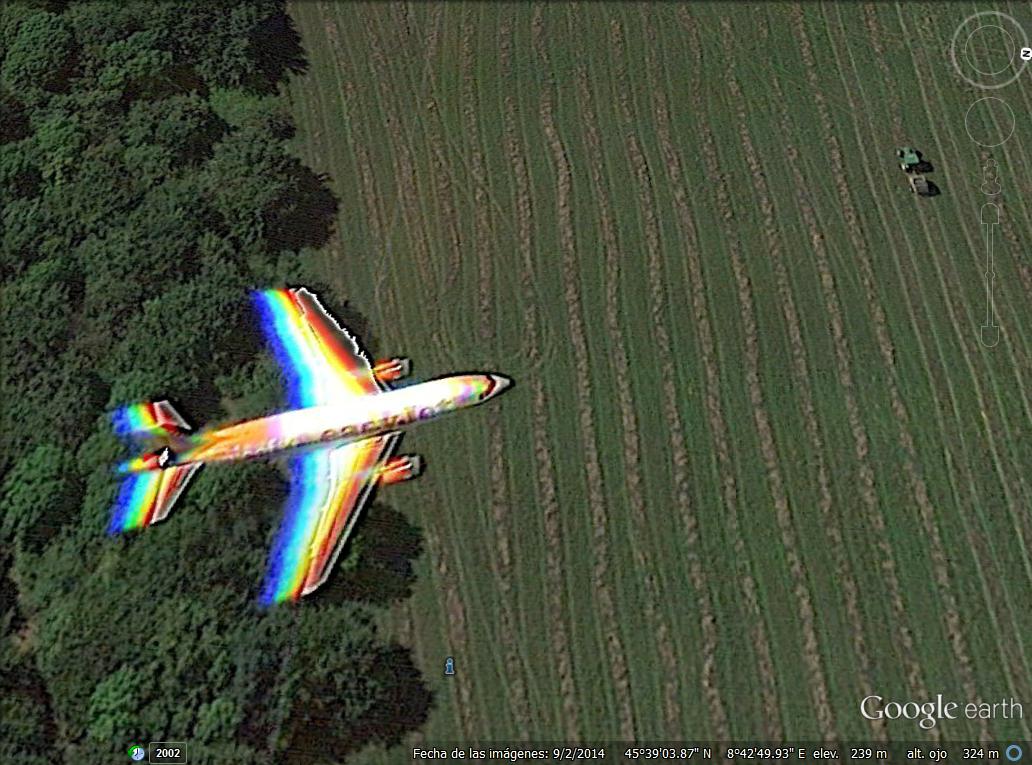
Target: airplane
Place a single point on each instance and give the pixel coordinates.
(340, 433)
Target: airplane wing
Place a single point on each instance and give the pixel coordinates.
(322, 361)
(327, 492)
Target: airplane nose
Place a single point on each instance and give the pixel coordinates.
(500, 383)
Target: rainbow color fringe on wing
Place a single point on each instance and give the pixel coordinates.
(308, 345)
(328, 489)
(146, 498)
(288, 560)
(137, 497)
(137, 419)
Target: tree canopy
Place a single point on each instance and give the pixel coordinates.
(145, 187)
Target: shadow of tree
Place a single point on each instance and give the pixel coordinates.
(14, 123)
(19, 679)
(276, 49)
(377, 566)
(305, 216)
(402, 706)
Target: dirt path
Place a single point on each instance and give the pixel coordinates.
(544, 464)
(678, 441)
(847, 383)
(718, 424)
(631, 437)
(404, 174)
(482, 215)
(768, 448)
(588, 440)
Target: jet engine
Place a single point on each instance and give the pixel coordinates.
(390, 370)
(401, 468)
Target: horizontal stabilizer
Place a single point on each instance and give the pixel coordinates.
(146, 498)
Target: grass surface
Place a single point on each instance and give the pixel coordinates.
(756, 464)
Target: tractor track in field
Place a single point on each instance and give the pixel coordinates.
(768, 447)
(582, 365)
(373, 215)
(547, 347)
(775, 249)
(718, 423)
(439, 172)
(1021, 523)
(516, 688)
(986, 565)
(1007, 228)
(874, 33)
(629, 424)
(918, 487)
(482, 218)
(847, 383)
(539, 426)
(678, 440)
(407, 638)
(991, 582)
(349, 95)
(1019, 520)
(501, 506)
(439, 168)
(456, 621)
(404, 175)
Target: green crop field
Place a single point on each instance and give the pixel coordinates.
(757, 464)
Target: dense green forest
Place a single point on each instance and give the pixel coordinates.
(146, 187)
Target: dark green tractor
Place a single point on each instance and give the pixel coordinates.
(909, 159)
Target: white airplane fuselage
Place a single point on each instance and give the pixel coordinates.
(355, 419)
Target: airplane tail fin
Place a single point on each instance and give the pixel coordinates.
(151, 486)
(147, 497)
